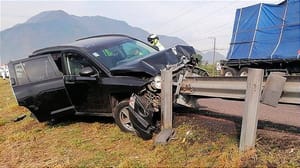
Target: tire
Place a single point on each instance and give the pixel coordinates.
(121, 116)
(243, 72)
(230, 72)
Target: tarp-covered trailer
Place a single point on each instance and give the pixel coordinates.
(265, 36)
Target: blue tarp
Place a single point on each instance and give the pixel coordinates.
(266, 31)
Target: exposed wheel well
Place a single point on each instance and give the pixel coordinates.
(117, 98)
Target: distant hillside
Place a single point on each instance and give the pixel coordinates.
(208, 57)
(58, 27)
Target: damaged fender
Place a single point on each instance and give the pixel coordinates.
(141, 117)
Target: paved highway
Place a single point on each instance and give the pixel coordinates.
(282, 114)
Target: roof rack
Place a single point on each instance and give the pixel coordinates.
(104, 35)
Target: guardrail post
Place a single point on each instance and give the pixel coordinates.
(166, 99)
(250, 114)
(166, 108)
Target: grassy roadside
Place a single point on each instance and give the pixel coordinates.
(98, 142)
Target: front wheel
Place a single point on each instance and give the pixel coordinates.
(121, 116)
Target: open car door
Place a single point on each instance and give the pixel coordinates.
(38, 85)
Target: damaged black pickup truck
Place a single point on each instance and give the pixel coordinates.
(95, 76)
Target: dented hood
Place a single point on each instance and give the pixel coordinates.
(152, 64)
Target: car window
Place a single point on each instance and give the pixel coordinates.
(120, 52)
(20, 74)
(75, 63)
(39, 69)
(110, 56)
(134, 49)
(57, 58)
(34, 70)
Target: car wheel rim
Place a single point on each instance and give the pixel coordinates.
(124, 119)
(228, 74)
(244, 74)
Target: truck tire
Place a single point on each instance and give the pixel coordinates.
(230, 72)
(243, 72)
(121, 116)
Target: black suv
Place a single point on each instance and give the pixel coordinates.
(92, 76)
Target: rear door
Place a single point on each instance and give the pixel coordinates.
(38, 85)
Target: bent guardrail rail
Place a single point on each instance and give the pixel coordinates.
(235, 88)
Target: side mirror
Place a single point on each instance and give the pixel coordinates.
(86, 71)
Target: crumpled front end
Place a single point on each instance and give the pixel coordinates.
(141, 116)
(145, 104)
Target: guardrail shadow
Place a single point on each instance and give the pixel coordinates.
(236, 120)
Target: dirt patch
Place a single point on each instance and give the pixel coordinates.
(214, 125)
(274, 147)
(232, 126)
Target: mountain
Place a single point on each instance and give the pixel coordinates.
(51, 28)
(207, 57)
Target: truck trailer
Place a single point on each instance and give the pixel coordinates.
(265, 36)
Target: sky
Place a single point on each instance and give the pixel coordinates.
(197, 22)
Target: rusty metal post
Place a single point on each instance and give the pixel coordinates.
(250, 114)
(166, 108)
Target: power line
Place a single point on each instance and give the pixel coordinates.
(219, 28)
(185, 12)
(214, 12)
(217, 49)
(203, 38)
(251, 30)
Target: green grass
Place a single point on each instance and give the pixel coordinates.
(211, 69)
(100, 143)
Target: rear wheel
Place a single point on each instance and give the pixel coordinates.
(230, 72)
(121, 116)
(243, 72)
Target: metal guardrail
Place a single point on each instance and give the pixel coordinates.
(235, 88)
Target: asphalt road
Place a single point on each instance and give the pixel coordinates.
(282, 114)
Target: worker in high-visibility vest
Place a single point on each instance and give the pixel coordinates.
(2, 71)
(154, 41)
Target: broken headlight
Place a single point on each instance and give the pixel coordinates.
(156, 83)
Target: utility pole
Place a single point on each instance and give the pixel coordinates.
(214, 55)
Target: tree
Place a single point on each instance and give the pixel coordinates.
(198, 58)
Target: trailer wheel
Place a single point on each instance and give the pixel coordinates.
(229, 72)
(243, 72)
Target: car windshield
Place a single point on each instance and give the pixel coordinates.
(120, 52)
